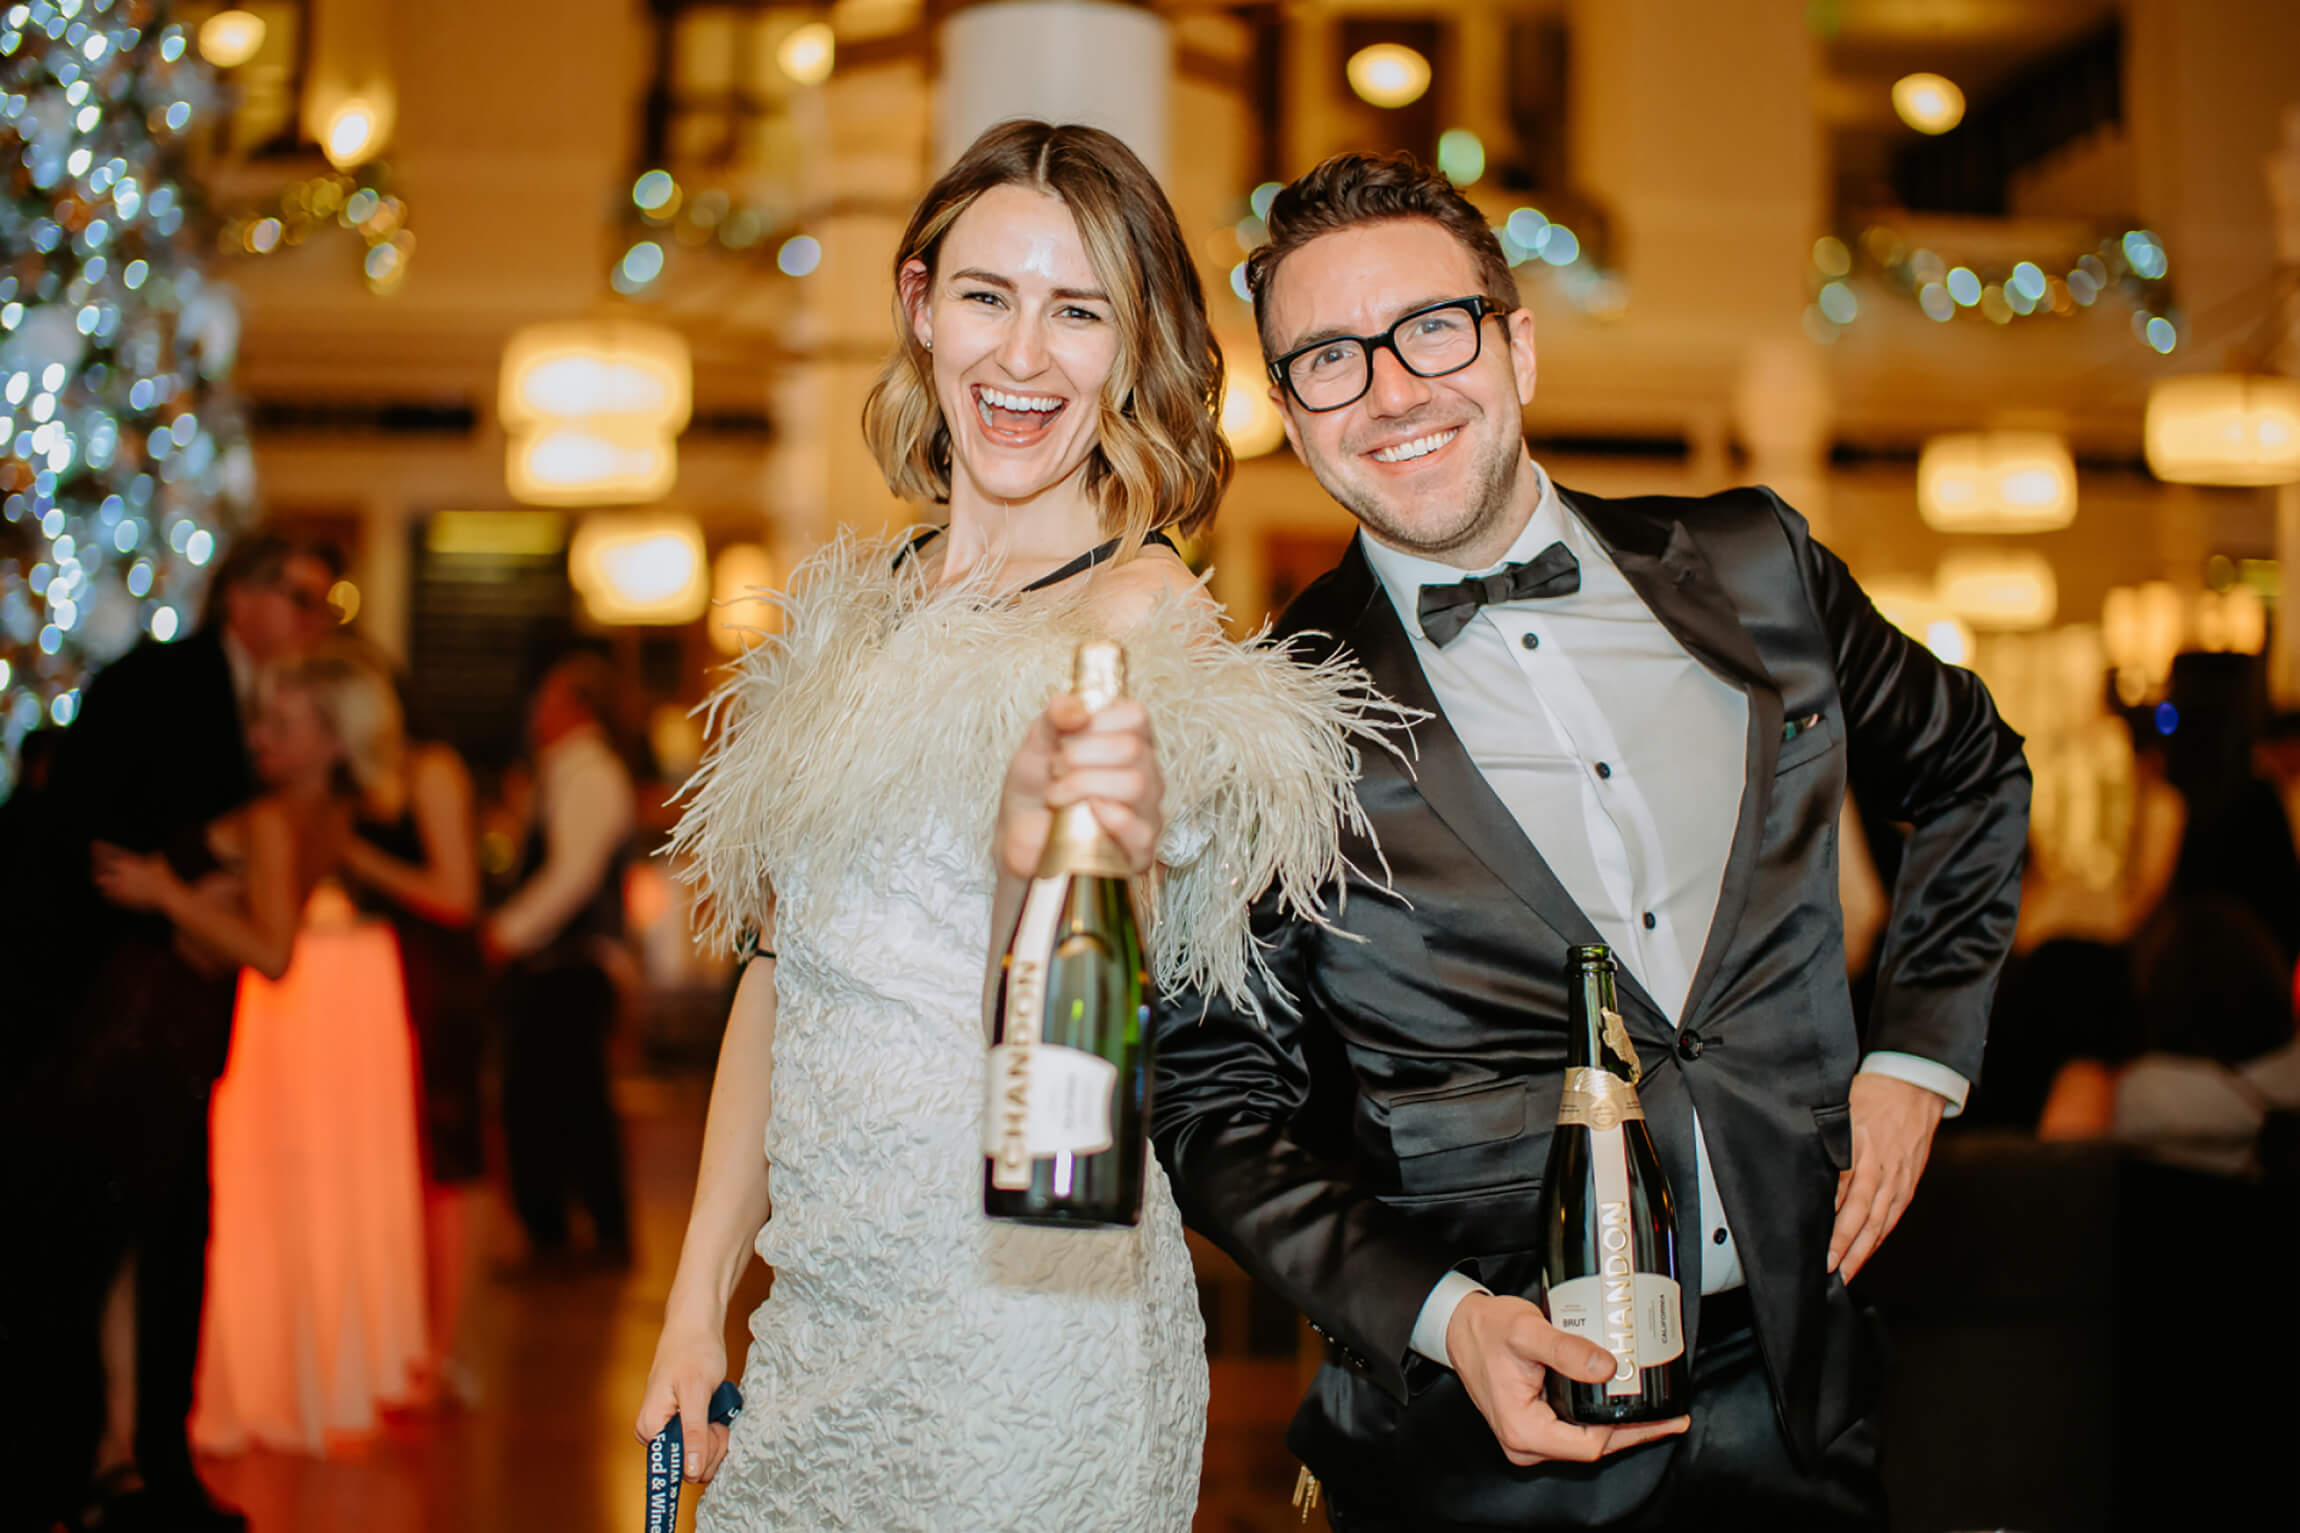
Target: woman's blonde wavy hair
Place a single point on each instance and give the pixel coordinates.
(1160, 460)
(351, 687)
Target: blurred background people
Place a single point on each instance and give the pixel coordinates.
(415, 859)
(555, 937)
(315, 1308)
(140, 1009)
(2235, 839)
(2215, 1057)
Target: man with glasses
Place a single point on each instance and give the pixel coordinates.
(157, 752)
(1642, 717)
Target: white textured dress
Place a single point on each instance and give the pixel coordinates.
(917, 1365)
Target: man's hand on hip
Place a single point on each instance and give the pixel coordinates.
(1503, 1349)
(1893, 1125)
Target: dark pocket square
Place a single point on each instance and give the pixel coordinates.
(1796, 727)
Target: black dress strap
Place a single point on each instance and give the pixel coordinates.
(1093, 556)
(1078, 566)
(911, 548)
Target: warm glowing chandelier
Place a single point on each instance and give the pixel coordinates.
(593, 412)
(2224, 429)
(1997, 481)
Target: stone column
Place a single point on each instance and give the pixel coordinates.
(868, 126)
(1476, 87)
(1313, 71)
(1781, 411)
(1062, 60)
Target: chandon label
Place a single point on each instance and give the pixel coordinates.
(1040, 1098)
(1068, 1094)
(1636, 1316)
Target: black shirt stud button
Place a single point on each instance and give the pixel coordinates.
(1689, 1045)
(1650, 923)
(1717, 1236)
(1531, 641)
(1603, 770)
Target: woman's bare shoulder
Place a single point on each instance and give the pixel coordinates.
(1125, 594)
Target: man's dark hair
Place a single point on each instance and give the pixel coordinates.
(1353, 189)
(256, 559)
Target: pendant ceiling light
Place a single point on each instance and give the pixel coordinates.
(593, 412)
(2224, 429)
(1997, 481)
(640, 567)
(1992, 589)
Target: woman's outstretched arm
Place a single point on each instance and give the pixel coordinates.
(730, 1205)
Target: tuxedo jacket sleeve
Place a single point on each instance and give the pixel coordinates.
(1247, 1115)
(1926, 747)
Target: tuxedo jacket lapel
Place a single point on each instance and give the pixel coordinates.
(1456, 791)
(1668, 569)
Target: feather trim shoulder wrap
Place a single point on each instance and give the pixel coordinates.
(881, 701)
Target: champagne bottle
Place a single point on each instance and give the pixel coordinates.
(1068, 1091)
(1609, 1272)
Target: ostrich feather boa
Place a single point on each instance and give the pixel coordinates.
(882, 699)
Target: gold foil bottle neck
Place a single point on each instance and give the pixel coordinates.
(1076, 842)
(1598, 1099)
(1098, 673)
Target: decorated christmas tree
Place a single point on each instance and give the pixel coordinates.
(124, 465)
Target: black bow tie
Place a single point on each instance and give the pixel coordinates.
(1446, 610)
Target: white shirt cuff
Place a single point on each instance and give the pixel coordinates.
(1934, 1077)
(1437, 1314)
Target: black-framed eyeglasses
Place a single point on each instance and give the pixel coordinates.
(1429, 343)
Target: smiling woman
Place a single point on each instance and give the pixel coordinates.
(883, 783)
(1053, 325)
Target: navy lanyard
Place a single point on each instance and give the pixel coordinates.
(667, 1459)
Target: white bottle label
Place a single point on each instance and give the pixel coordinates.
(1040, 1098)
(1644, 1305)
(1066, 1095)
(1636, 1316)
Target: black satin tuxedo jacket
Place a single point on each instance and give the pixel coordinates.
(1389, 1117)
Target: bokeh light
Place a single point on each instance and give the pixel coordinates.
(1388, 75)
(1929, 103)
(808, 53)
(799, 255)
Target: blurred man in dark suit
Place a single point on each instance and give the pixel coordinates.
(157, 752)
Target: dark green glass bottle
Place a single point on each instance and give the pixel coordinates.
(1609, 1272)
(1068, 1089)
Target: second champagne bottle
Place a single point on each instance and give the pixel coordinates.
(1609, 1269)
(1066, 1114)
